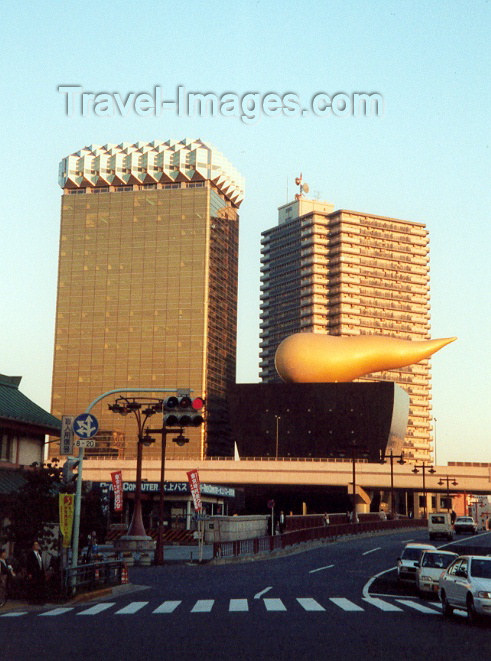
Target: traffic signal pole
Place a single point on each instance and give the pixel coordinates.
(78, 492)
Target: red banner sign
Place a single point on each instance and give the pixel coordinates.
(195, 487)
(117, 480)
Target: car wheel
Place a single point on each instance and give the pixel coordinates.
(472, 614)
(447, 610)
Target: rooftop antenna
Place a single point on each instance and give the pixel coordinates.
(304, 187)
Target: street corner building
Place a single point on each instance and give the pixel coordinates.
(147, 284)
(24, 426)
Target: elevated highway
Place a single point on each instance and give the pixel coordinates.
(471, 478)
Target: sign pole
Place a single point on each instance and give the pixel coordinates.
(201, 533)
(76, 514)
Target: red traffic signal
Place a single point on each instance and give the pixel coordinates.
(183, 411)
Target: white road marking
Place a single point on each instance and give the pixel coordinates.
(203, 606)
(56, 611)
(418, 607)
(345, 604)
(312, 571)
(310, 604)
(238, 606)
(16, 614)
(167, 607)
(383, 605)
(372, 550)
(366, 587)
(98, 608)
(274, 605)
(260, 594)
(131, 608)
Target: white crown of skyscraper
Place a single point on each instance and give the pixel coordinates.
(172, 161)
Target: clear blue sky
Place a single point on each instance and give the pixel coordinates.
(426, 159)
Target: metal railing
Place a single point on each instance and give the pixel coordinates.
(333, 531)
(93, 576)
(129, 454)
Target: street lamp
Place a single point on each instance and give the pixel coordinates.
(434, 440)
(431, 470)
(356, 452)
(441, 482)
(278, 418)
(180, 440)
(182, 411)
(123, 406)
(401, 461)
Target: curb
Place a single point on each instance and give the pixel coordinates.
(101, 594)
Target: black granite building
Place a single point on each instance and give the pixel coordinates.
(318, 420)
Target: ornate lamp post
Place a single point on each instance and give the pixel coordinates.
(401, 461)
(441, 482)
(123, 406)
(431, 470)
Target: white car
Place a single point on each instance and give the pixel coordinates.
(408, 562)
(465, 524)
(466, 584)
(430, 568)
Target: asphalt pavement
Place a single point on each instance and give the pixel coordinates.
(320, 604)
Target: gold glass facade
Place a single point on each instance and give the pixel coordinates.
(349, 273)
(147, 297)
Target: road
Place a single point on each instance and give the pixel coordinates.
(337, 601)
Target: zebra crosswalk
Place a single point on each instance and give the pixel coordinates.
(237, 605)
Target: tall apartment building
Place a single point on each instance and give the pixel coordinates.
(147, 284)
(349, 273)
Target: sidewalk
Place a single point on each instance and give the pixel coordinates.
(172, 554)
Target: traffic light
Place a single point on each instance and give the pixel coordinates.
(183, 411)
(67, 470)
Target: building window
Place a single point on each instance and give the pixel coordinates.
(5, 445)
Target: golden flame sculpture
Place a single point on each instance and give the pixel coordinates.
(317, 358)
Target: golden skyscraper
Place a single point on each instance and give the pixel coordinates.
(147, 284)
(350, 273)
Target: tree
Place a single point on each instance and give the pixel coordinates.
(35, 514)
(36, 506)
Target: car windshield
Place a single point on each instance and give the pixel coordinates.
(437, 560)
(411, 553)
(438, 519)
(481, 568)
(464, 519)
